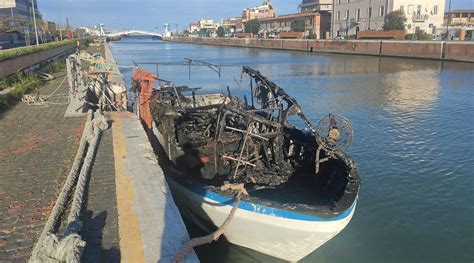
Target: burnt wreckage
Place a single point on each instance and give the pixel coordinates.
(217, 137)
(302, 187)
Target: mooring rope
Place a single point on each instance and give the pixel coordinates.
(74, 224)
(39, 100)
(214, 236)
(51, 247)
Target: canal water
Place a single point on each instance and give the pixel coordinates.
(413, 121)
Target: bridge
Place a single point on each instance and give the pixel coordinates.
(134, 33)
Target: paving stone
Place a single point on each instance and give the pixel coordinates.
(37, 149)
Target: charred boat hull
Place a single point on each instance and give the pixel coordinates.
(302, 186)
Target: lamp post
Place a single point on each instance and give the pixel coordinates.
(59, 22)
(370, 12)
(447, 22)
(34, 20)
(332, 19)
(347, 27)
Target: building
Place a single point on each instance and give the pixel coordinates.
(208, 24)
(316, 24)
(194, 27)
(231, 24)
(16, 23)
(17, 15)
(265, 10)
(460, 24)
(460, 17)
(315, 6)
(351, 16)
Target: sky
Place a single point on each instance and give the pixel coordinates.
(150, 14)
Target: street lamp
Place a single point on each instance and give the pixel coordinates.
(370, 12)
(34, 20)
(347, 27)
(447, 22)
(59, 22)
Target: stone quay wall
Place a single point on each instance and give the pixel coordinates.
(440, 50)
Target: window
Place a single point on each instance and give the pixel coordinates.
(418, 10)
(369, 12)
(381, 10)
(402, 9)
(410, 9)
(348, 1)
(339, 2)
(347, 14)
(338, 15)
(357, 15)
(435, 10)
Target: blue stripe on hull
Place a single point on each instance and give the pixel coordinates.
(251, 207)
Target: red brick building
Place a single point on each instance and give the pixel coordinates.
(316, 24)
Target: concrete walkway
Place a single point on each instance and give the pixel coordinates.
(151, 228)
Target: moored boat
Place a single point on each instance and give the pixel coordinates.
(302, 186)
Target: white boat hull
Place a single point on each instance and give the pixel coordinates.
(286, 235)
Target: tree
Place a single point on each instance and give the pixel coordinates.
(203, 32)
(252, 26)
(186, 32)
(395, 21)
(298, 25)
(220, 31)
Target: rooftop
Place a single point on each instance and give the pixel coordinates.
(460, 11)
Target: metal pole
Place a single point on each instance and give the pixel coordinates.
(59, 22)
(70, 20)
(13, 19)
(332, 19)
(449, 19)
(370, 12)
(34, 20)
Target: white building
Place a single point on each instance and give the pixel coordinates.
(351, 16)
(315, 6)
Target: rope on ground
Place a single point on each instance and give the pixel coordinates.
(214, 236)
(68, 247)
(39, 100)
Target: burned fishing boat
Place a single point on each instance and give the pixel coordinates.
(302, 186)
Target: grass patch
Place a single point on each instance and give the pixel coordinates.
(23, 51)
(20, 85)
(56, 67)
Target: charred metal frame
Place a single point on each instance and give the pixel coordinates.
(230, 140)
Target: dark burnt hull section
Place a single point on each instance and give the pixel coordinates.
(327, 194)
(214, 139)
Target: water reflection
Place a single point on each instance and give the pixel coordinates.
(410, 91)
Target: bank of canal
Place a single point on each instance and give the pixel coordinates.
(413, 122)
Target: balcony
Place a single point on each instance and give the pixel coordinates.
(420, 17)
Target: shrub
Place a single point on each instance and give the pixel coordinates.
(20, 85)
(23, 51)
(420, 35)
(56, 66)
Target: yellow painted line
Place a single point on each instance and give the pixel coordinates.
(131, 249)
